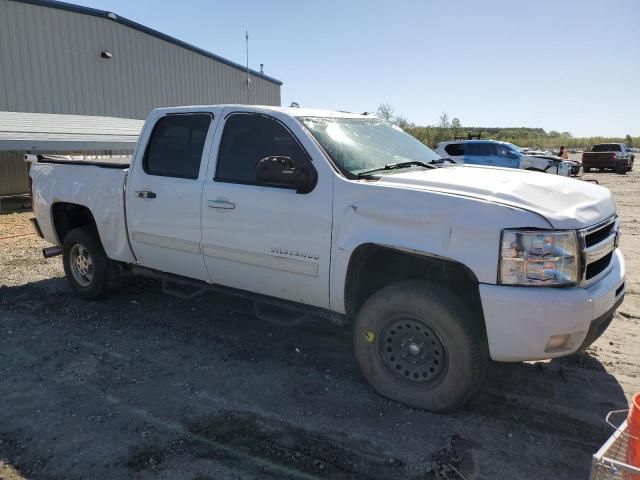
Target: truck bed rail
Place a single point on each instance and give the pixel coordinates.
(108, 161)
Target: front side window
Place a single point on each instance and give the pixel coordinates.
(176, 144)
(504, 150)
(479, 149)
(247, 139)
(357, 145)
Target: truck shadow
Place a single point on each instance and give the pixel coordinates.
(212, 367)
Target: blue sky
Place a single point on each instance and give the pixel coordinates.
(564, 65)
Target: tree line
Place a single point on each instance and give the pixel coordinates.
(448, 128)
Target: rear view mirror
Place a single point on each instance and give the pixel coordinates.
(285, 172)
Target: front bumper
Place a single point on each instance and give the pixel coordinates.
(520, 321)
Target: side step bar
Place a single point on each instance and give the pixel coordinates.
(274, 310)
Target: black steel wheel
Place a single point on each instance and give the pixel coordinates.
(412, 351)
(420, 344)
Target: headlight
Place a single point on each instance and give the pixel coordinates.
(538, 257)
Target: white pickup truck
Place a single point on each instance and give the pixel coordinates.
(344, 216)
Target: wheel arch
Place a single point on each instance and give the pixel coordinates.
(67, 216)
(372, 267)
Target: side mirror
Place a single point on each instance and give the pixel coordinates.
(282, 171)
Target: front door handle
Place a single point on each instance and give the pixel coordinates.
(145, 194)
(220, 203)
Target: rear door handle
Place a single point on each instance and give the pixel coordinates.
(219, 203)
(145, 194)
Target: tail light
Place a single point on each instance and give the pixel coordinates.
(613, 156)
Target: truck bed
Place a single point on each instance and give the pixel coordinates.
(88, 183)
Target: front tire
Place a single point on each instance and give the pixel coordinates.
(86, 266)
(419, 344)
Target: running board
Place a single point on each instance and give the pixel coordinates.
(180, 290)
(174, 285)
(291, 318)
(264, 307)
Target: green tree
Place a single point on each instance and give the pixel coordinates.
(443, 128)
(628, 140)
(456, 126)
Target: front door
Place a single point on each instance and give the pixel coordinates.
(164, 195)
(261, 238)
(507, 157)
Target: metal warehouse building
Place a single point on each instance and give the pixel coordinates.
(65, 59)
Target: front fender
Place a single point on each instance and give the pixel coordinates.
(462, 229)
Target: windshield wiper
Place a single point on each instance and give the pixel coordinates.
(395, 166)
(442, 160)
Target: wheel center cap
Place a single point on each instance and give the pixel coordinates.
(414, 349)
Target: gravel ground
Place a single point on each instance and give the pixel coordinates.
(143, 385)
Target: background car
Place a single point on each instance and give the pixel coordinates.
(613, 156)
(506, 155)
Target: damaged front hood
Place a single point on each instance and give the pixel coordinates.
(566, 203)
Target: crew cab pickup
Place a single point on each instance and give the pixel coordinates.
(613, 156)
(346, 217)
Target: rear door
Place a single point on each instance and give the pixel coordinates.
(164, 194)
(258, 237)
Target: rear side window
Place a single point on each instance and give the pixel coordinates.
(176, 145)
(247, 139)
(455, 149)
(479, 149)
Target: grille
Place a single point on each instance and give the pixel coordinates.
(592, 239)
(598, 266)
(598, 243)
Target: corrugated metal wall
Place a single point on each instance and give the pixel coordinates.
(13, 174)
(50, 63)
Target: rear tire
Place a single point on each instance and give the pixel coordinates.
(622, 170)
(419, 344)
(86, 266)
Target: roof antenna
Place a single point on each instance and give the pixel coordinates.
(246, 37)
(262, 68)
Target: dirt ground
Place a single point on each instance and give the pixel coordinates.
(143, 386)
